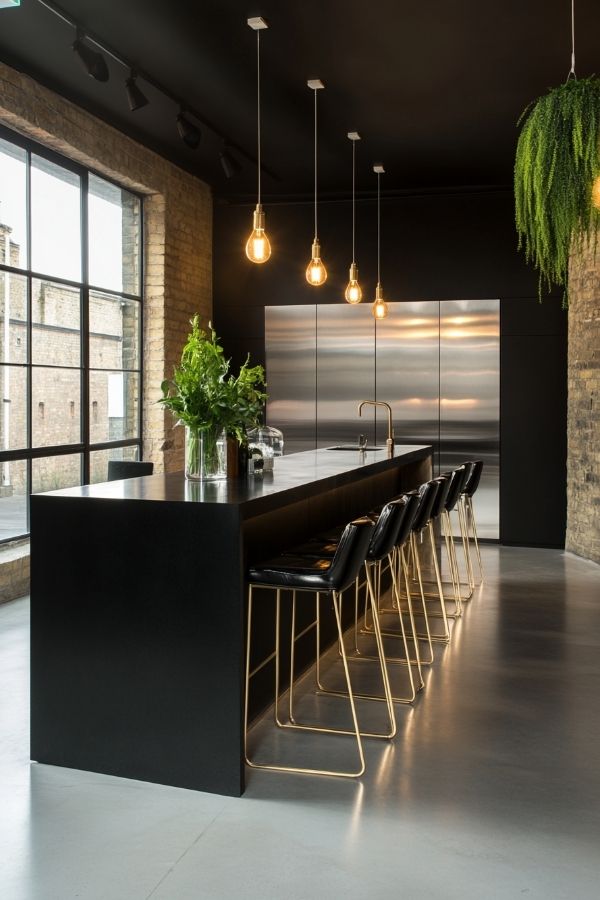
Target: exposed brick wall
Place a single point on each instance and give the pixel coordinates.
(178, 233)
(583, 463)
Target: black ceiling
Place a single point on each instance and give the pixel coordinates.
(434, 88)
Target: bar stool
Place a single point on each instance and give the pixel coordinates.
(329, 576)
(447, 498)
(423, 524)
(473, 477)
(395, 516)
(457, 479)
(399, 566)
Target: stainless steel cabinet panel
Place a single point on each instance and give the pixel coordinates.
(290, 345)
(407, 353)
(345, 372)
(470, 398)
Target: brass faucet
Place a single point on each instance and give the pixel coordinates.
(390, 438)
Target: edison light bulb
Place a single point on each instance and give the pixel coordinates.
(258, 248)
(380, 307)
(353, 292)
(316, 273)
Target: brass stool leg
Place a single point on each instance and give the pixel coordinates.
(462, 518)
(427, 635)
(452, 548)
(432, 638)
(439, 580)
(447, 533)
(471, 514)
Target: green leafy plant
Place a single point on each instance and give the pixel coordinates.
(204, 395)
(557, 161)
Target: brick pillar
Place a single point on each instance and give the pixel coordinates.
(583, 429)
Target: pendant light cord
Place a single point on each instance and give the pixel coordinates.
(378, 228)
(258, 105)
(572, 69)
(315, 165)
(353, 202)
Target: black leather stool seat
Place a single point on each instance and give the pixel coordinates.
(323, 574)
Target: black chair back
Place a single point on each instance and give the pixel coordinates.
(410, 511)
(457, 478)
(475, 468)
(428, 493)
(128, 468)
(350, 555)
(440, 498)
(385, 535)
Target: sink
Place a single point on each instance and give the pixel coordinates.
(354, 447)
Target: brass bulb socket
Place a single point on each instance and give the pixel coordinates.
(259, 217)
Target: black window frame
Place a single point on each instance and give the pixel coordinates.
(84, 447)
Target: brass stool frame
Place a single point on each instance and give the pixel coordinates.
(373, 568)
(292, 723)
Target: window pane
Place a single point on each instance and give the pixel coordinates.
(13, 318)
(51, 473)
(55, 317)
(13, 499)
(55, 220)
(99, 461)
(13, 205)
(13, 415)
(56, 407)
(114, 332)
(114, 237)
(114, 398)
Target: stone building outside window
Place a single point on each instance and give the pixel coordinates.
(70, 326)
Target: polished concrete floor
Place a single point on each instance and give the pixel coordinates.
(490, 790)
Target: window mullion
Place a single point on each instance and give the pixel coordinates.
(85, 331)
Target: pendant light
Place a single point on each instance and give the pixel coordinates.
(353, 292)
(258, 248)
(316, 273)
(380, 307)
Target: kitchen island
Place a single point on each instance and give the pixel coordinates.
(138, 606)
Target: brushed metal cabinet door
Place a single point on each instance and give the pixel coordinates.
(470, 398)
(290, 355)
(345, 372)
(407, 354)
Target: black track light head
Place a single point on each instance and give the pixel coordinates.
(93, 62)
(135, 96)
(229, 163)
(188, 132)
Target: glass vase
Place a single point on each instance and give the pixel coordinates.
(205, 454)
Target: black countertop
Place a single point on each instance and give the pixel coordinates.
(295, 477)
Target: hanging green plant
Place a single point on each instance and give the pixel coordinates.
(557, 162)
